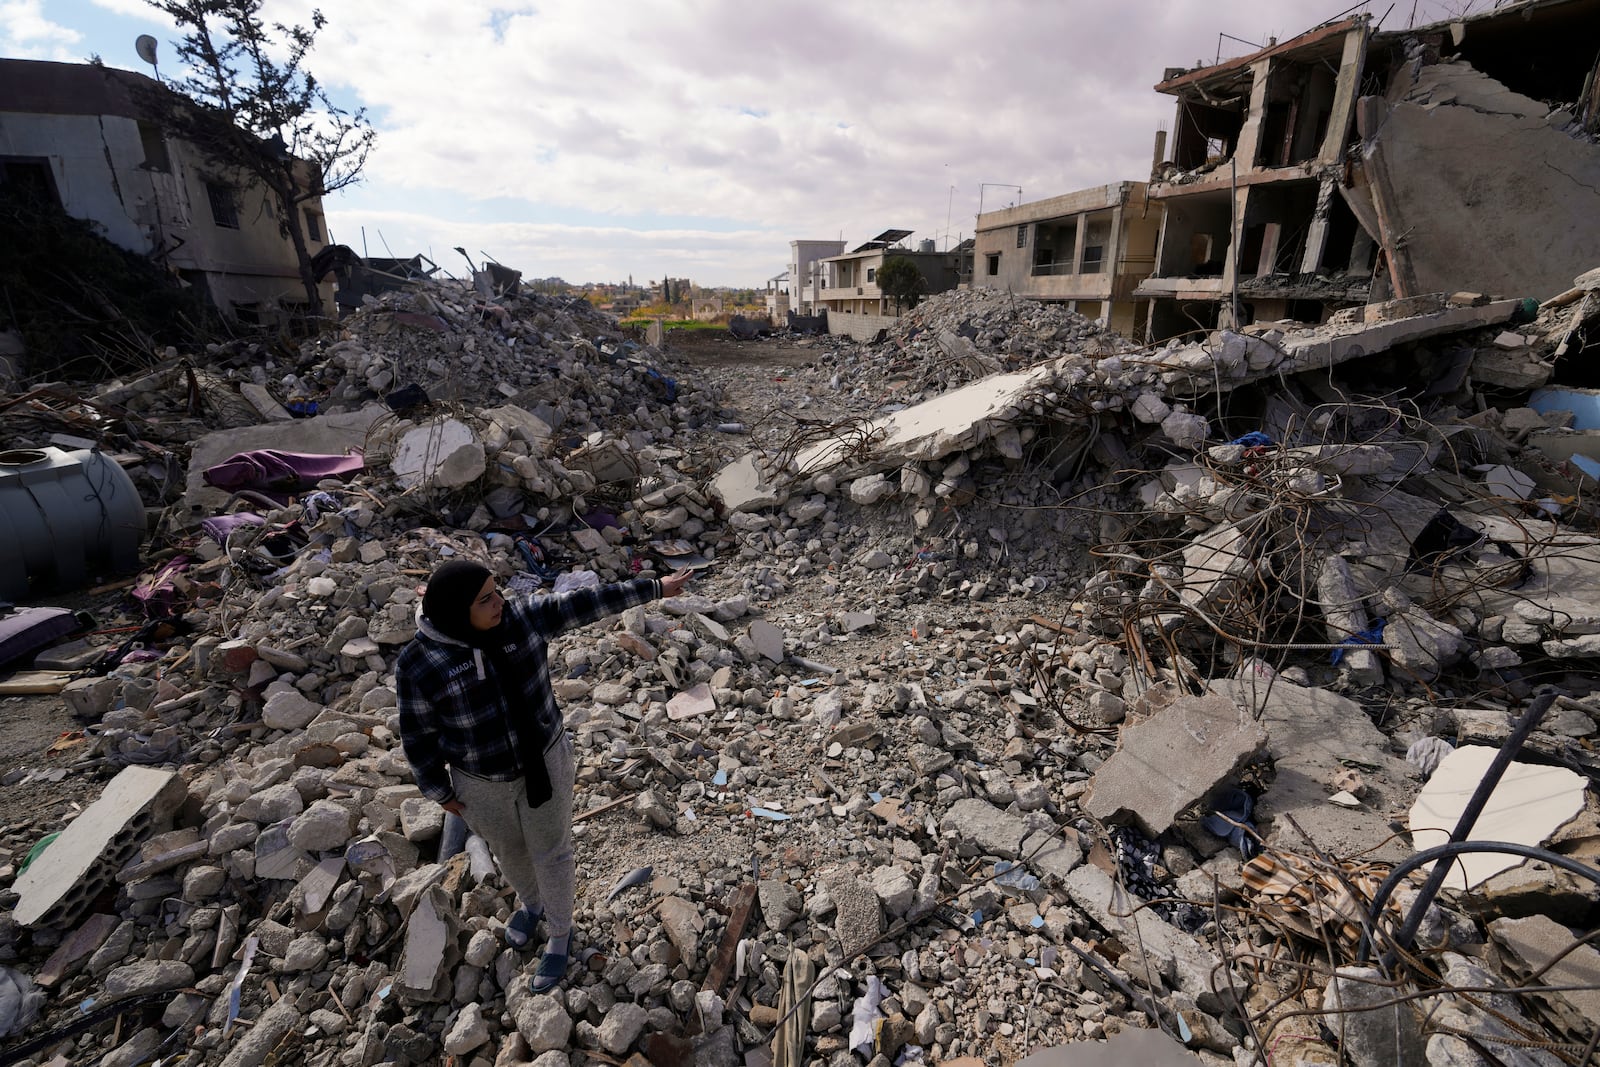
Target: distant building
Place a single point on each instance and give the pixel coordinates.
(88, 138)
(805, 273)
(1089, 250)
(856, 305)
(777, 298)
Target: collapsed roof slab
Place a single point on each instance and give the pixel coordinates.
(958, 420)
(965, 418)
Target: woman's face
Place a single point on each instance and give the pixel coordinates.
(486, 607)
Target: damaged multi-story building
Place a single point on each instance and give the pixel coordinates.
(1353, 164)
(1087, 249)
(92, 140)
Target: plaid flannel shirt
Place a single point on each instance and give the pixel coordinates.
(453, 710)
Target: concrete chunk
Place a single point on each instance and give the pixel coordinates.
(691, 702)
(59, 884)
(1310, 732)
(1171, 760)
(1179, 958)
(980, 823)
(1536, 940)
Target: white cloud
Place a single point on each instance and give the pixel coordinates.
(542, 250)
(25, 33)
(797, 119)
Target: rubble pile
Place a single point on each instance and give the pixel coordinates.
(960, 335)
(1097, 694)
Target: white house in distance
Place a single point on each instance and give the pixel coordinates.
(89, 137)
(806, 279)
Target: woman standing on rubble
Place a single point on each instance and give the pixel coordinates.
(480, 726)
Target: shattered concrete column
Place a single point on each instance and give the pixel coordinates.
(1344, 615)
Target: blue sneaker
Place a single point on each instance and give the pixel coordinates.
(552, 969)
(519, 930)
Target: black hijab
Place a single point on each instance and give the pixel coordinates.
(447, 603)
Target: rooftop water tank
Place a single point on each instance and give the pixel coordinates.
(926, 245)
(66, 518)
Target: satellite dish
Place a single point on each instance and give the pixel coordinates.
(146, 47)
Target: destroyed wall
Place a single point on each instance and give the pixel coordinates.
(1484, 189)
(859, 327)
(109, 160)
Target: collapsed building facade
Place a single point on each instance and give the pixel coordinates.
(92, 141)
(1087, 250)
(1341, 166)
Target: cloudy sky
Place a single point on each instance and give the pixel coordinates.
(596, 140)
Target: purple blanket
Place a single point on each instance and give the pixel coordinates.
(266, 470)
(27, 630)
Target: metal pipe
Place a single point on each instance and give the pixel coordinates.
(1474, 808)
(1451, 849)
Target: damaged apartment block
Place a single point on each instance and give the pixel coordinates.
(1339, 166)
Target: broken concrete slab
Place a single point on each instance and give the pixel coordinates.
(63, 879)
(1528, 805)
(1535, 941)
(1171, 760)
(1311, 733)
(1180, 959)
(985, 827)
(443, 454)
(768, 639)
(953, 422)
(691, 703)
(743, 485)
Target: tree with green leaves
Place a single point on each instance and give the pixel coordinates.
(249, 105)
(901, 281)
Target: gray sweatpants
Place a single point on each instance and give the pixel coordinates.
(532, 845)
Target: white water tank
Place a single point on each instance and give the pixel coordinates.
(66, 519)
(926, 245)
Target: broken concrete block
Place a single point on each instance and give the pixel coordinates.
(870, 489)
(1180, 959)
(543, 1023)
(742, 486)
(64, 878)
(443, 454)
(691, 702)
(1186, 430)
(430, 945)
(1372, 1030)
(1215, 565)
(288, 709)
(1170, 761)
(1311, 732)
(979, 823)
(1345, 614)
(768, 639)
(1150, 408)
(858, 914)
(1528, 805)
(325, 825)
(1536, 940)
(683, 924)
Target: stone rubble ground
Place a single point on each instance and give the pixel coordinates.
(903, 703)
